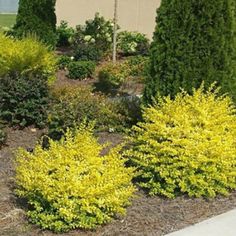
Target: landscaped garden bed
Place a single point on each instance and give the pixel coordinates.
(147, 215)
(141, 145)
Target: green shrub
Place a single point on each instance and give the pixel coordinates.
(37, 17)
(195, 43)
(64, 34)
(73, 104)
(63, 61)
(81, 69)
(138, 65)
(130, 109)
(186, 145)
(26, 56)
(24, 99)
(111, 76)
(97, 31)
(132, 43)
(87, 52)
(70, 185)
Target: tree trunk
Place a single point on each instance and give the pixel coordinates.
(115, 31)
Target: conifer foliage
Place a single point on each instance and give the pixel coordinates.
(37, 17)
(194, 41)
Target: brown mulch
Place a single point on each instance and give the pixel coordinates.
(62, 80)
(132, 86)
(146, 216)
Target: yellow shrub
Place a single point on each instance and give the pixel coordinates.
(187, 145)
(26, 55)
(70, 185)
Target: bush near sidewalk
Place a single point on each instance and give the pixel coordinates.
(186, 145)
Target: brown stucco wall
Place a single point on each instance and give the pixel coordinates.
(134, 15)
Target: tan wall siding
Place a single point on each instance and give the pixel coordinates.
(134, 15)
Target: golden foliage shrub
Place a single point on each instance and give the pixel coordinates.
(24, 56)
(187, 145)
(70, 185)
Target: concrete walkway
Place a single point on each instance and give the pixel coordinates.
(222, 225)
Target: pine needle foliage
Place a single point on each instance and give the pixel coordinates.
(194, 41)
(37, 17)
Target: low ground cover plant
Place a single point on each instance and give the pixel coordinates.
(81, 69)
(70, 185)
(72, 104)
(186, 145)
(111, 76)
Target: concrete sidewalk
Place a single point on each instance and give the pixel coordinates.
(222, 225)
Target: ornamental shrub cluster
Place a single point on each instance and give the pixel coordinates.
(27, 66)
(70, 185)
(111, 76)
(186, 145)
(194, 41)
(72, 104)
(97, 31)
(37, 17)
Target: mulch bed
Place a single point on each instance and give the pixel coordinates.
(146, 216)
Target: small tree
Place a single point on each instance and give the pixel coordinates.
(194, 41)
(37, 17)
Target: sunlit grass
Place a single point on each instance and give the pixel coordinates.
(7, 20)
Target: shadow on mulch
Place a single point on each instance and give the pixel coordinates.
(146, 216)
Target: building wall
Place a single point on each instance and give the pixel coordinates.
(133, 15)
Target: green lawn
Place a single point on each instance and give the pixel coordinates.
(7, 20)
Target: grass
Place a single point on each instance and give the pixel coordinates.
(7, 20)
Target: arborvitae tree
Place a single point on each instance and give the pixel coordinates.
(37, 17)
(194, 41)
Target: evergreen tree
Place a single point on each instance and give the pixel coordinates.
(37, 17)
(194, 41)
